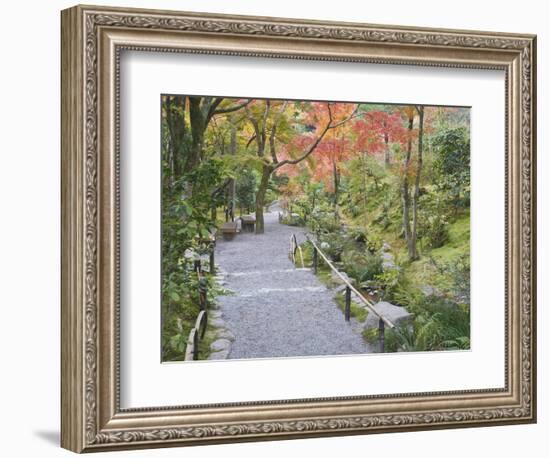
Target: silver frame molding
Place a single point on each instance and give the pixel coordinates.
(92, 40)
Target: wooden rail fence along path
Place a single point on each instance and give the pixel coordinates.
(295, 247)
(276, 306)
(382, 321)
(198, 331)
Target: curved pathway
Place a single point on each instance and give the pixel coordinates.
(276, 309)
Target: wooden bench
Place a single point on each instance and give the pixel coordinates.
(229, 230)
(248, 222)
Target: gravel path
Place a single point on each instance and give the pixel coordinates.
(277, 310)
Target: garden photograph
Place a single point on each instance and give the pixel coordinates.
(302, 228)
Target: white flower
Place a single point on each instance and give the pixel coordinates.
(325, 245)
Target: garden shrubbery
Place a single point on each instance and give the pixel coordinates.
(364, 266)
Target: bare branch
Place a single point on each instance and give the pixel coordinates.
(220, 188)
(272, 144)
(320, 137)
(251, 140)
(257, 135)
(213, 111)
(273, 133)
(351, 116)
(213, 106)
(329, 114)
(308, 152)
(264, 123)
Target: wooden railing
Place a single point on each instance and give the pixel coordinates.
(197, 333)
(211, 246)
(294, 248)
(382, 320)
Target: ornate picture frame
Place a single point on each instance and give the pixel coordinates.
(92, 41)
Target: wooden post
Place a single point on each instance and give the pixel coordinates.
(315, 260)
(195, 344)
(203, 289)
(190, 349)
(204, 324)
(212, 269)
(381, 331)
(347, 312)
(197, 265)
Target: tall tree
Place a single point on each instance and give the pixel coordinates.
(410, 203)
(409, 113)
(331, 153)
(413, 254)
(321, 117)
(201, 112)
(379, 128)
(173, 110)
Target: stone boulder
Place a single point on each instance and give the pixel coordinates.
(219, 355)
(226, 334)
(396, 314)
(427, 290)
(335, 277)
(220, 345)
(214, 314)
(388, 261)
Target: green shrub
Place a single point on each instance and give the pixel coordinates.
(332, 244)
(406, 295)
(362, 267)
(388, 281)
(440, 324)
(291, 220)
(434, 231)
(371, 335)
(359, 235)
(374, 242)
(396, 339)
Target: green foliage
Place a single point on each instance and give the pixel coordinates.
(363, 267)
(356, 311)
(246, 190)
(324, 222)
(435, 231)
(179, 311)
(439, 322)
(438, 325)
(458, 274)
(332, 244)
(345, 193)
(292, 219)
(397, 339)
(330, 236)
(187, 203)
(452, 163)
(389, 282)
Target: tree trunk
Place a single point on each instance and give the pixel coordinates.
(336, 177)
(214, 215)
(260, 198)
(198, 123)
(175, 120)
(405, 191)
(364, 190)
(233, 183)
(386, 151)
(416, 194)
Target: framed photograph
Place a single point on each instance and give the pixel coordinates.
(278, 228)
